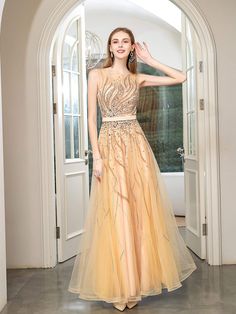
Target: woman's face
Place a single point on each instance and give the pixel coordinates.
(121, 45)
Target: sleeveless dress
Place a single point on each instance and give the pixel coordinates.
(131, 247)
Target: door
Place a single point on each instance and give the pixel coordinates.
(194, 168)
(71, 136)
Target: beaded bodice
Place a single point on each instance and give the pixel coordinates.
(118, 95)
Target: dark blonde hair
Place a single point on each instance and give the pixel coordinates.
(131, 66)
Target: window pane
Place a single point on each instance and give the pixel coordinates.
(75, 63)
(66, 92)
(190, 54)
(75, 92)
(73, 32)
(76, 137)
(66, 56)
(191, 90)
(70, 39)
(67, 120)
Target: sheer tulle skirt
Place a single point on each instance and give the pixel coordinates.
(131, 246)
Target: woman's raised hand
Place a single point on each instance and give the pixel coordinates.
(142, 51)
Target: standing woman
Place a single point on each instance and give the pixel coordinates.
(131, 247)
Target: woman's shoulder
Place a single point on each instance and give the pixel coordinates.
(97, 75)
(97, 72)
(94, 72)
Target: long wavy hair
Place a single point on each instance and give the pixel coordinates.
(131, 66)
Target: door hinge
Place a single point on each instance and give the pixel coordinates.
(58, 233)
(54, 108)
(204, 229)
(202, 104)
(201, 66)
(53, 70)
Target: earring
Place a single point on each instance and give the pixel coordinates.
(112, 54)
(131, 57)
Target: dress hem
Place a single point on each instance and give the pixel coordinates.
(137, 298)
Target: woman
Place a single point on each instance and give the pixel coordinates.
(131, 246)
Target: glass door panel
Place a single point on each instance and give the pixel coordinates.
(191, 92)
(71, 92)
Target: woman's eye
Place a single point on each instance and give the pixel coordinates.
(115, 41)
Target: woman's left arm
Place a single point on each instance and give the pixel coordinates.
(174, 76)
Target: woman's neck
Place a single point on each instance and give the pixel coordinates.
(119, 66)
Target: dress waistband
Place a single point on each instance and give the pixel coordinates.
(119, 118)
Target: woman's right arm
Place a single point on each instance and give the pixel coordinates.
(92, 110)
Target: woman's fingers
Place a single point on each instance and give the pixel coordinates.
(141, 49)
(98, 176)
(138, 45)
(97, 172)
(146, 46)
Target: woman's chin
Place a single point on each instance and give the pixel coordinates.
(121, 57)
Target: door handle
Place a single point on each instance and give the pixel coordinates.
(86, 153)
(180, 151)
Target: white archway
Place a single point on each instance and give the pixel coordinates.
(3, 275)
(212, 177)
(212, 202)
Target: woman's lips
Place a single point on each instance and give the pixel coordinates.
(120, 51)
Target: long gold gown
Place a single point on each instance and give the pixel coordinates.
(131, 247)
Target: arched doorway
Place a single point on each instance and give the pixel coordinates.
(58, 17)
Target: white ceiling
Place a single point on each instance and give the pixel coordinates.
(163, 10)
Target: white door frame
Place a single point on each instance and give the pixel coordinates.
(212, 171)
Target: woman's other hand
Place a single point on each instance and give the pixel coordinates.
(98, 168)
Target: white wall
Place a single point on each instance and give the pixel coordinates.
(3, 283)
(21, 133)
(21, 127)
